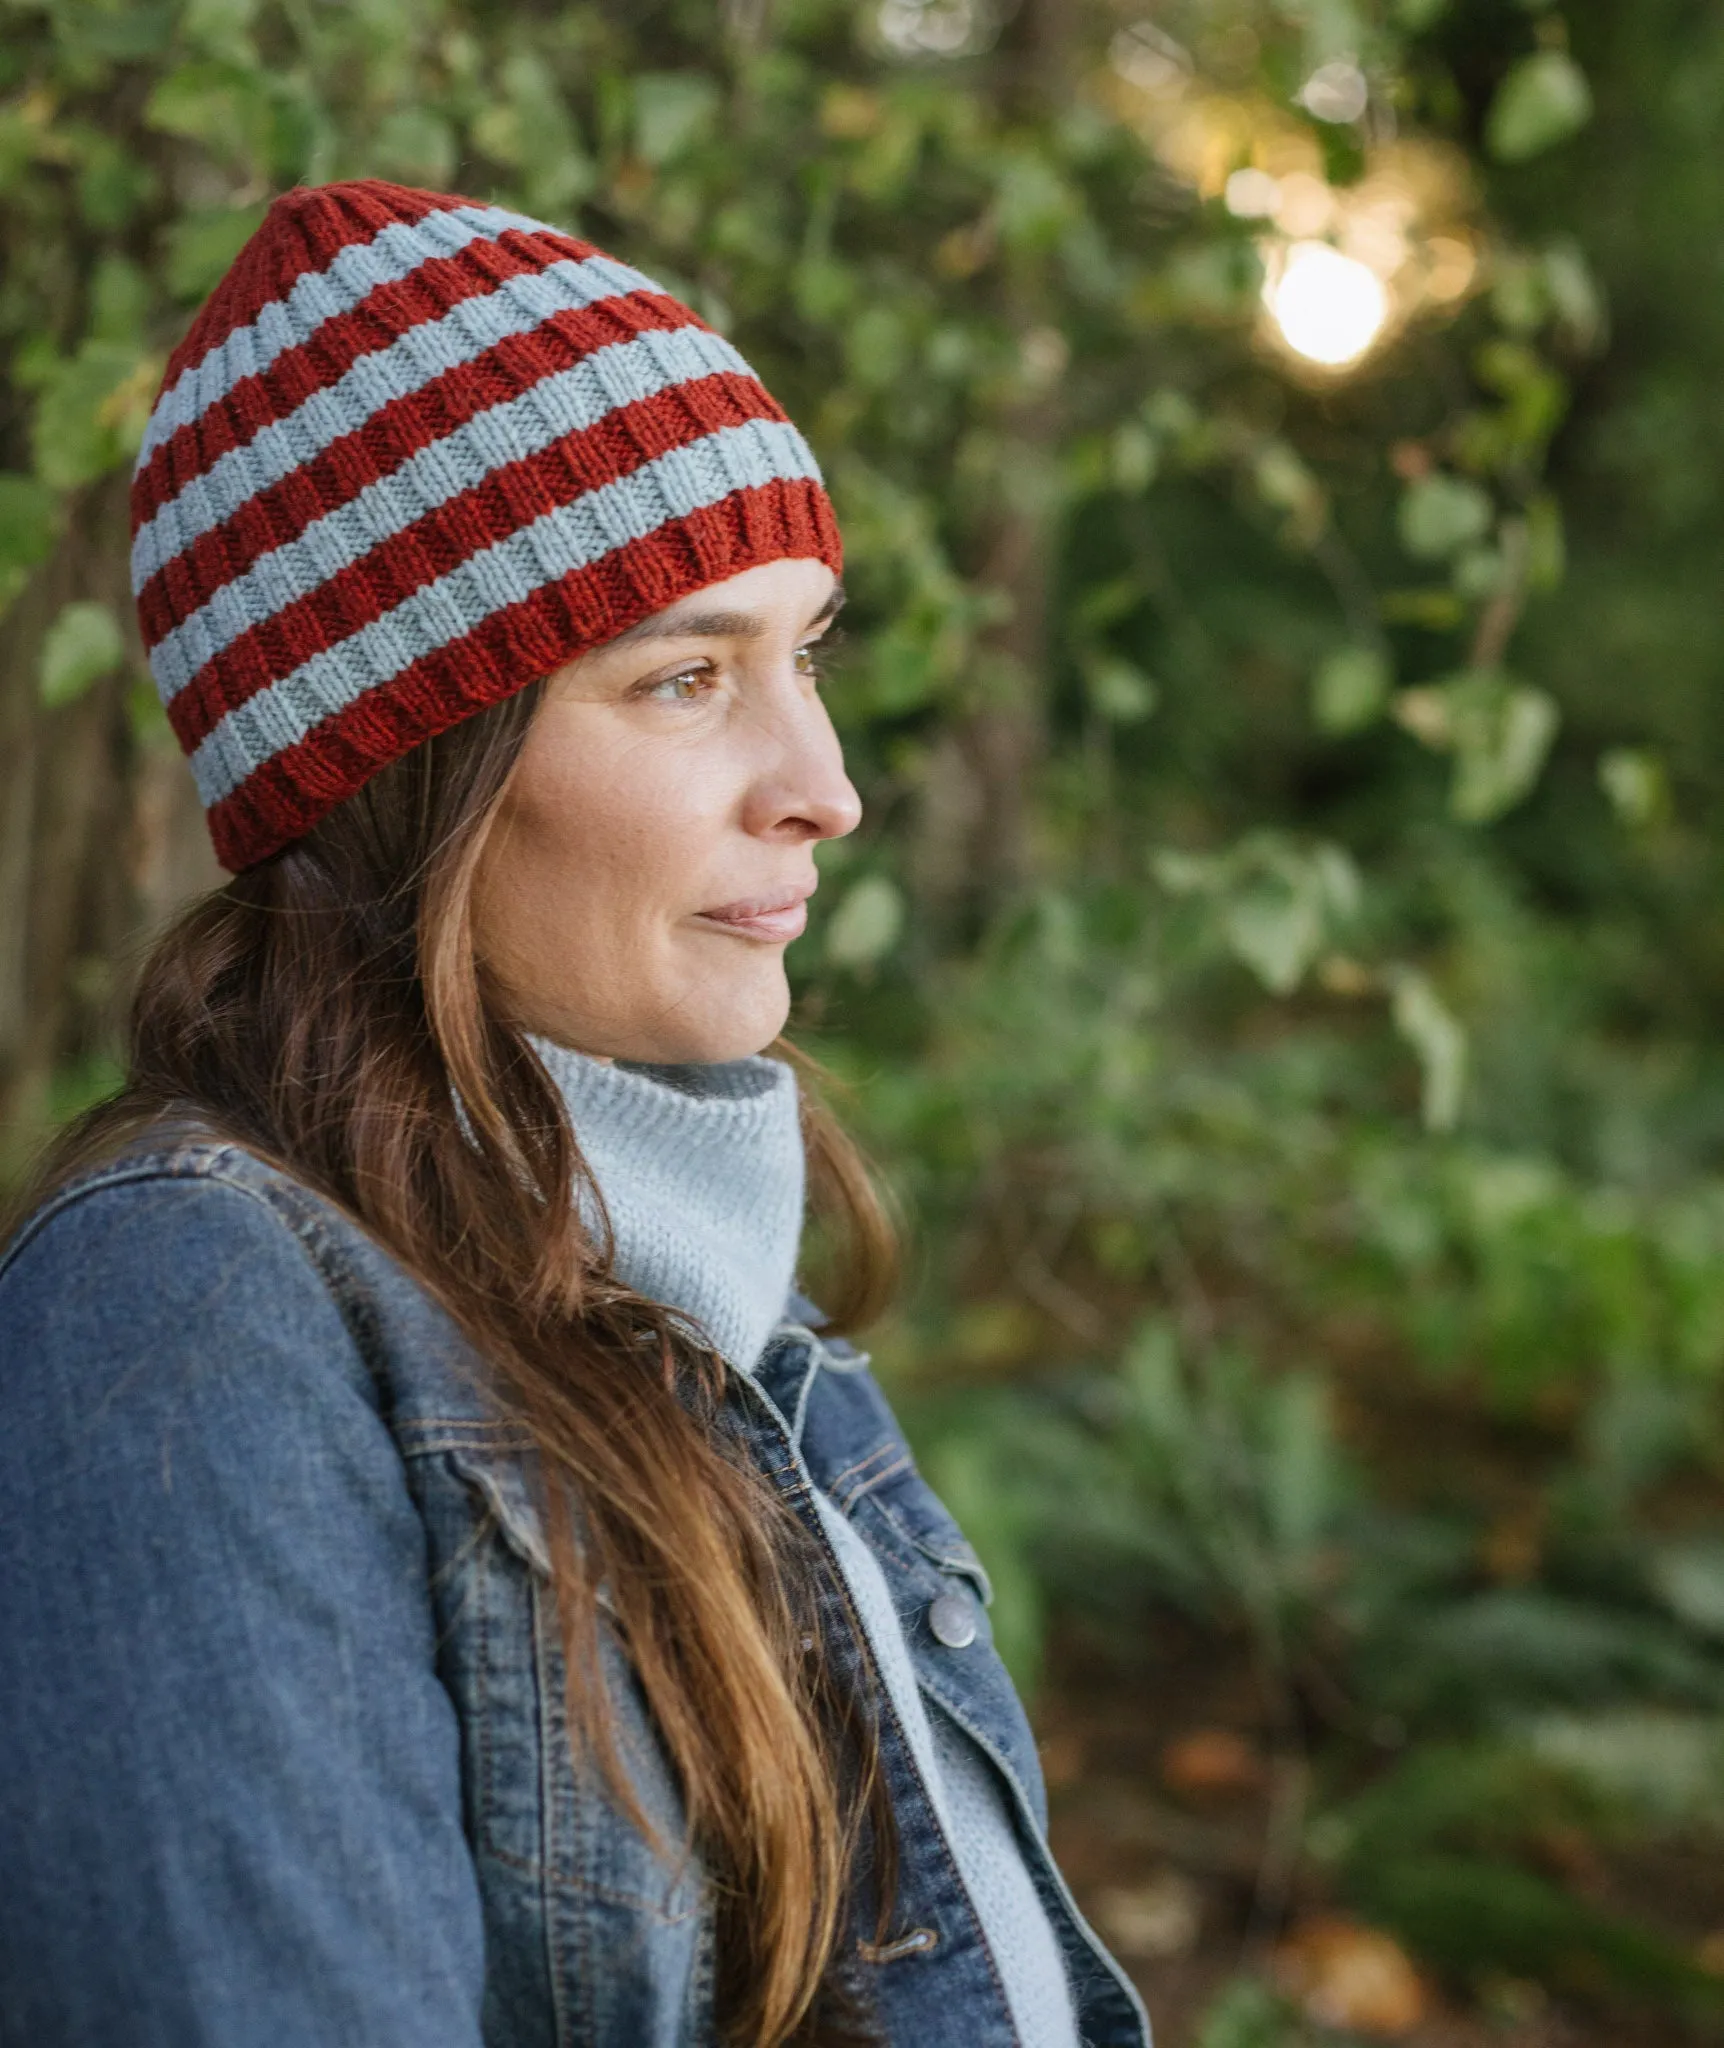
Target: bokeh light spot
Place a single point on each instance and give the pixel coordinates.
(1336, 92)
(1328, 307)
(1252, 195)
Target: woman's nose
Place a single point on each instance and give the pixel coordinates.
(804, 792)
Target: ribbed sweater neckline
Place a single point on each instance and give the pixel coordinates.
(703, 1174)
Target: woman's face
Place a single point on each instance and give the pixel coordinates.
(654, 847)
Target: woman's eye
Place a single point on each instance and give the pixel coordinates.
(690, 684)
(681, 688)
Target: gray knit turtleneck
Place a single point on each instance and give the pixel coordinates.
(702, 1172)
(701, 1169)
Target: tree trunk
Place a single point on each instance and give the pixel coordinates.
(101, 835)
(977, 838)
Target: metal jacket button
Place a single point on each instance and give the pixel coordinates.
(952, 1617)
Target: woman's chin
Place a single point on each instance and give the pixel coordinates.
(747, 1022)
(728, 1019)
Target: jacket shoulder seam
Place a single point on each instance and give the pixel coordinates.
(206, 1160)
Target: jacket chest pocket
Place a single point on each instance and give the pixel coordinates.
(536, 1809)
(942, 1592)
(943, 1587)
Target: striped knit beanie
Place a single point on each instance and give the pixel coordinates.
(414, 453)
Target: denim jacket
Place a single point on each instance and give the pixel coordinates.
(283, 1714)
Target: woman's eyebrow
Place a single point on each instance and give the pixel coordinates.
(675, 625)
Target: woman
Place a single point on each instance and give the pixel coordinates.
(456, 1591)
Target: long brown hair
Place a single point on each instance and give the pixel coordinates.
(326, 1010)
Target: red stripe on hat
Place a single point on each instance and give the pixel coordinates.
(497, 506)
(786, 519)
(331, 350)
(304, 230)
(382, 443)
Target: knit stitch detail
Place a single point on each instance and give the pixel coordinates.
(384, 549)
(702, 1173)
(317, 485)
(414, 452)
(285, 794)
(269, 424)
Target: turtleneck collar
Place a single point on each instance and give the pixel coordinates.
(702, 1171)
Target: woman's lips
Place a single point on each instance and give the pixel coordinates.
(776, 926)
(777, 918)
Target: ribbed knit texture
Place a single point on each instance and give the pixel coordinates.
(702, 1171)
(414, 453)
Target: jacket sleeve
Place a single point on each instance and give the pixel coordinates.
(230, 1794)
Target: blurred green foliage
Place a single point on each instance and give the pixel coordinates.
(1279, 960)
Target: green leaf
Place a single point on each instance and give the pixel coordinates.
(1440, 514)
(219, 28)
(877, 346)
(1502, 734)
(1337, 880)
(1537, 397)
(91, 414)
(112, 184)
(119, 299)
(1351, 688)
(1185, 874)
(1277, 900)
(416, 146)
(147, 716)
(82, 645)
(1431, 1029)
(1546, 547)
(1281, 904)
(530, 128)
(1543, 101)
(1689, 1578)
(1498, 730)
(1667, 1766)
(1134, 456)
(1300, 1474)
(1480, 573)
(1436, 609)
(1248, 2014)
(865, 926)
(92, 36)
(223, 106)
(1214, 280)
(671, 110)
(27, 514)
(1471, 1913)
(1119, 689)
(1634, 780)
(1032, 200)
(1275, 925)
(900, 672)
(1284, 480)
(82, 1084)
(202, 245)
(1575, 295)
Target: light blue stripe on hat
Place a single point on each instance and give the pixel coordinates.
(569, 537)
(564, 403)
(319, 295)
(407, 364)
